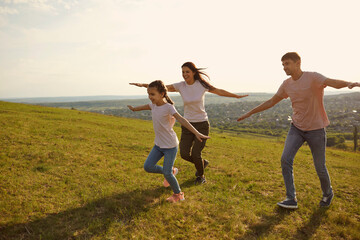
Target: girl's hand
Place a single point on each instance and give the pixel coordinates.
(201, 136)
(131, 108)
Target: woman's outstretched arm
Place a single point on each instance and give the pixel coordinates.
(170, 87)
(140, 84)
(224, 93)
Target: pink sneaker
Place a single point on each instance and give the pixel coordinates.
(175, 171)
(176, 197)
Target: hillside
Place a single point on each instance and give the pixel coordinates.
(67, 174)
(343, 111)
(120, 104)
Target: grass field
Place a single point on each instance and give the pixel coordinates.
(67, 174)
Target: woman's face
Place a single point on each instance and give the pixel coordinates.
(188, 75)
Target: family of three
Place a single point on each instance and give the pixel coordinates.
(309, 119)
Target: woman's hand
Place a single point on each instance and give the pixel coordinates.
(241, 96)
(139, 84)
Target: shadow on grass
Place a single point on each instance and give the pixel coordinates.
(267, 223)
(188, 183)
(308, 230)
(92, 219)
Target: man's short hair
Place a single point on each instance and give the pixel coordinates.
(292, 56)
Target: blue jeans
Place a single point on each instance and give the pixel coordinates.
(151, 166)
(317, 143)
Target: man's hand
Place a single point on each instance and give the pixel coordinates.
(246, 115)
(354, 84)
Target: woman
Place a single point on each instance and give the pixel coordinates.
(192, 91)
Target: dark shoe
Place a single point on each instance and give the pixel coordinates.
(288, 203)
(206, 163)
(326, 201)
(200, 180)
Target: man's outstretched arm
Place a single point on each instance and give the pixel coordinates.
(265, 105)
(340, 83)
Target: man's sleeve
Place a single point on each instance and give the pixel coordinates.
(281, 91)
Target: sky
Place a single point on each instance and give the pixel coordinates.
(97, 47)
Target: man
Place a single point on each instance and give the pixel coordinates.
(309, 119)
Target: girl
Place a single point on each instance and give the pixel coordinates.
(192, 91)
(166, 142)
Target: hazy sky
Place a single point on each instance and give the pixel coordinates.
(78, 48)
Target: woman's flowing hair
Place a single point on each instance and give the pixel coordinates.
(161, 88)
(199, 75)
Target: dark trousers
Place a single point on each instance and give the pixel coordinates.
(191, 147)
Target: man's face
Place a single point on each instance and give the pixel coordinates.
(290, 66)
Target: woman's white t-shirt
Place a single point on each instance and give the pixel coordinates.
(194, 98)
(163, 122)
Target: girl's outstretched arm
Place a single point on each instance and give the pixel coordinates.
(186, 124)
(224, 93)
(139, 108)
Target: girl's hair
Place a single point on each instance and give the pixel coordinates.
(199, 75)
(161, 88)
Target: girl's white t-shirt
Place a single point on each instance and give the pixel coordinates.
(163, 122)
(194, 98)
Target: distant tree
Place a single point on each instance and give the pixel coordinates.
(331, 141)
(341, 146)
(355, 138)
(335, 140)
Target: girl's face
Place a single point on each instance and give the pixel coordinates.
(156, 97)
(188, 75)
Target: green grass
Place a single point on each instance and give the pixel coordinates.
(66, 174)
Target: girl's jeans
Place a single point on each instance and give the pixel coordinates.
(169, 154)
(317, 143)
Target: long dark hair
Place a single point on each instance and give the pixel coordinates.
(161, 88)
(199, 75)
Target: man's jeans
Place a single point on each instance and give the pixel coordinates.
(169, 154)
(317, 143)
